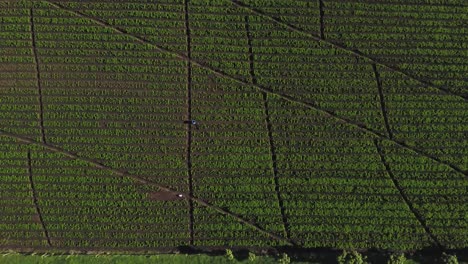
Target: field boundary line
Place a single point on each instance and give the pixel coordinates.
(35, 201)
(261, 88)
(268, 126)
(251, 54)
(38, 75)
(274, 162)
(322, 24)
(144, 181)
(189, 118)
(342, 47)
(403, 195)
(382, 100)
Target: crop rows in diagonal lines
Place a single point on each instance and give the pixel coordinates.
(398, 37)
(106, 157)
(291, 80)
(233, 113)
(417, 39)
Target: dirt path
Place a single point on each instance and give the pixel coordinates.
(322, 25)
(382, 101)
(38, 74)
(287, 97)
(144, 181)
(36, 203)
(274, 161)
(189, 118)
(342, 47)
(405, 198)
(268, 126)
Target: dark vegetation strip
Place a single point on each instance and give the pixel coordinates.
(312, 105)
(403, 195)
(36, 203)
(382, 101)
(343, 47)
(268, 124)
(38, 77)
(322, 25)
(189, 118)
(142, 180)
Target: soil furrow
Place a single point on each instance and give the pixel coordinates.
(351, 51)
(405, 198)
(38, 74)
(268, 126)
(141, 180)
(189, 118)
(311, 105)
(382, 101)
(251, 54)
(322, 25)
(35, 200)
(275, 168)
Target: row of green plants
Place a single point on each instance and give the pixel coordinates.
(339, 200)
(429, 32)
(213, 41)
(79, 207)
(238, 142)
(79, 213)
(240, 127)
(354, 257)
(438, 206)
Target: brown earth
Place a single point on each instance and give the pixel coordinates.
(164, 196)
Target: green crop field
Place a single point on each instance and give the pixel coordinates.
(319, 124)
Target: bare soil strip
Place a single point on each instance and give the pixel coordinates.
(144, 181)
(189, 118)
(311, 105)
(322, 25)
(39, 86)
(342, 47)
(36, 203)
(382, 101)
(405, 198)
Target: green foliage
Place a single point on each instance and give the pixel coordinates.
(285, 259)
(397, 258)
(449, 259)
(16, 258)
(229, 254)
(115, 99)
(351, 257)
(252, 256)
